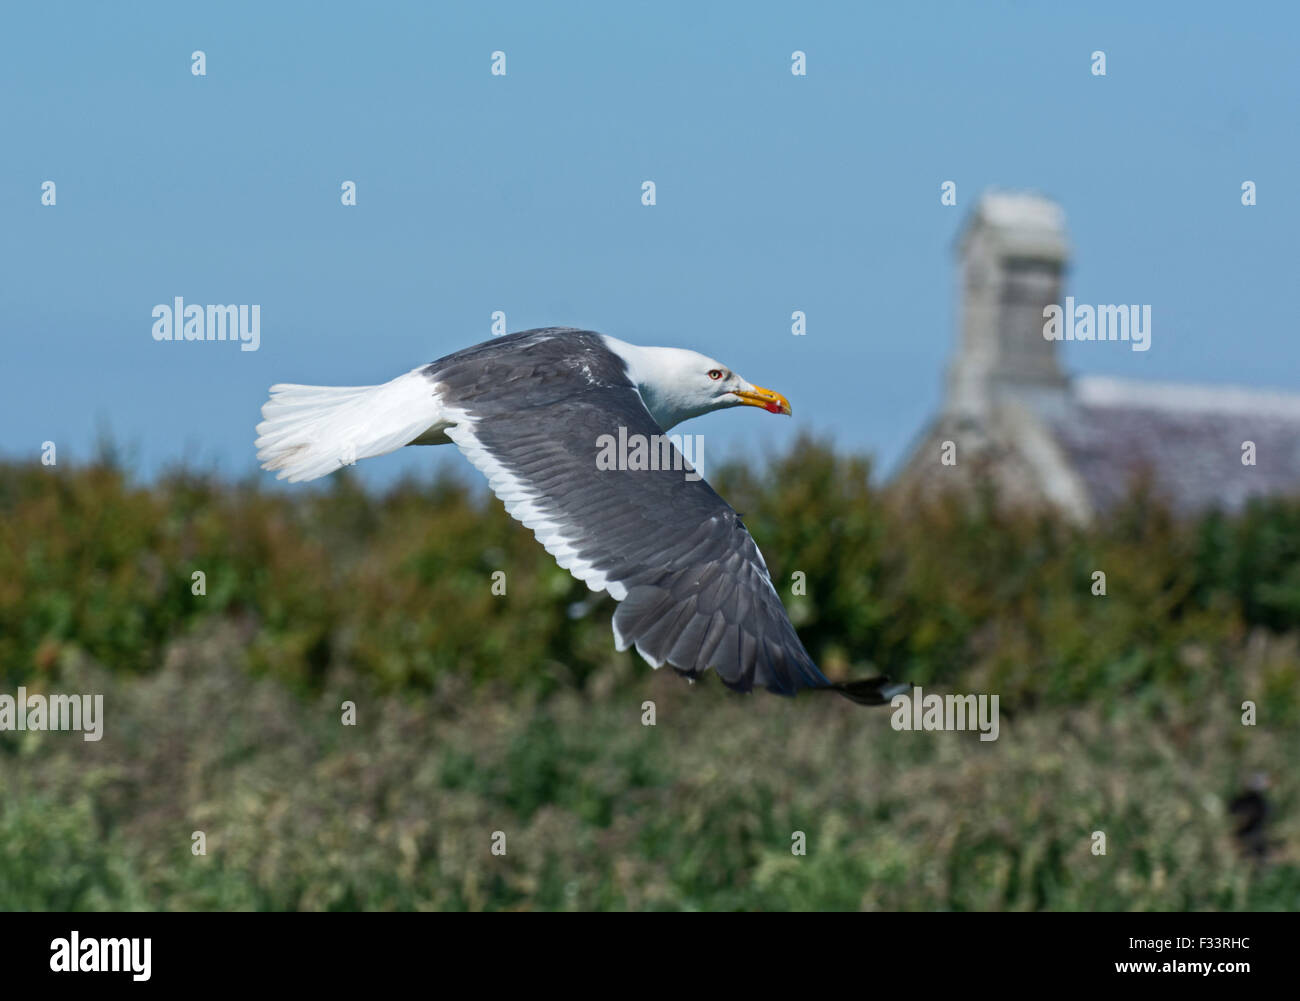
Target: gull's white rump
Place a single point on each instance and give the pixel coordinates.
(309, 431)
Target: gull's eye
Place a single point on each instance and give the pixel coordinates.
(715, 374)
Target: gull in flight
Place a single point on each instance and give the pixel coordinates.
(536, 412)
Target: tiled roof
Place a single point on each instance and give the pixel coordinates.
(1187, 440)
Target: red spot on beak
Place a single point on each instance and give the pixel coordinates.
(757, 396)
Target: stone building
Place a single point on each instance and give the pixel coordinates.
(1014, 417)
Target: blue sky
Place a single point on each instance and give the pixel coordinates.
(522, 193)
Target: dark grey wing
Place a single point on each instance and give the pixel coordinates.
(692, 587)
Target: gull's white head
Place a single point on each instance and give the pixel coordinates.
(677, 384)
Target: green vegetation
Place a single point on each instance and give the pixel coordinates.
(480, 713)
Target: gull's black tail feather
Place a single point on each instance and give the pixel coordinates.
(870, 691)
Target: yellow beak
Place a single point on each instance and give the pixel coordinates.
(770, 400)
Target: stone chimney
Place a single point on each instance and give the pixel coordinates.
(1012, 255)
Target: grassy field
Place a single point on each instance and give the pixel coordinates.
(478, 714)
